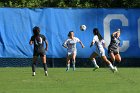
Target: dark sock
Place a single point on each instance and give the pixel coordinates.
(116, 63)
(113, 62)
(33, 67)
(45, 66)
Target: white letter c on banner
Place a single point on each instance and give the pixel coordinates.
(106, 24)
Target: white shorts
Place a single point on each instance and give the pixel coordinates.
(100, 52)
(71, 52)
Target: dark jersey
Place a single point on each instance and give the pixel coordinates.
(114, 43)
(38, 42)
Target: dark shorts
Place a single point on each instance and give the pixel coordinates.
(114, 51)
(39, 53)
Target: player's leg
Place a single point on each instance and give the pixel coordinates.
(73, 60)
(43, 58)
(112, 56)
(68, 62)
(34, 65)
(108, 62)
(118, 59)
(93, 60)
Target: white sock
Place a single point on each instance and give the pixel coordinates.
(94, 63)
(33, 73)
(68, 66)
(46, 72)
(73, 64)
(111, 66)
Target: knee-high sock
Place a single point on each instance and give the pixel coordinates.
(73, 62)
(94, 62)
(111, 66)
(116, 63)
(33, 67)
(45, 66)
(68, 66)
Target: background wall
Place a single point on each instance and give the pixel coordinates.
(16, 29)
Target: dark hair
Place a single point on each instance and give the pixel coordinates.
(69, 34)
(36, 30)
(96, 32)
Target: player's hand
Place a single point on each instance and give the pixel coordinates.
(31, 42)
(83, 46)
(66, 47)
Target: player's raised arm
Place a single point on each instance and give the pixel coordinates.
(116, 32)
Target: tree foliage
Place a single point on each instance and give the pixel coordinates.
(71, 3)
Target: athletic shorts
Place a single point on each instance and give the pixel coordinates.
(100, 52)
(114, 51)
(71, 52)
(39, 53)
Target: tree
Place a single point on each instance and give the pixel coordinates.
(71, 3)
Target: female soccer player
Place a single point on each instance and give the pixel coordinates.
(100, 44)
(38, 40)
(113, 48)
(70, 44)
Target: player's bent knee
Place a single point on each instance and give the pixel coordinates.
(91, 58)
(119, 60)
(113, 59)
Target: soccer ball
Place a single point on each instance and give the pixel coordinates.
(83, 27)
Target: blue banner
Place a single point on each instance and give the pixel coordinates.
(16, 30)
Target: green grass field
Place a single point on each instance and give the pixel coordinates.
(83, 80)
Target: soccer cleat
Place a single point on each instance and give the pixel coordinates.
(113, 69)
(67, 69)
(74, 69)
(46, 73)
(33, 74)
(116, 70)
(96, 67)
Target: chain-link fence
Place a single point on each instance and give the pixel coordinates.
(61, 62)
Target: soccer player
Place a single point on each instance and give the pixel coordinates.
(113, 48)
(70, 44)
(38, 40)
(100, 44)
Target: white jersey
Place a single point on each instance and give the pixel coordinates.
(99, 46)
(71, 44)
